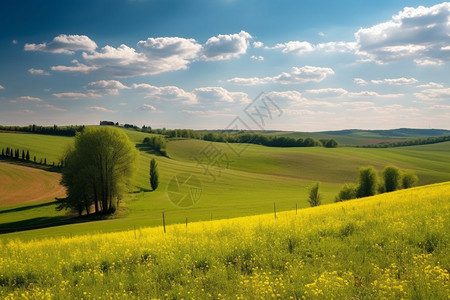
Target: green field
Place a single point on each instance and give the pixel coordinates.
(243, 185)
(390, 246)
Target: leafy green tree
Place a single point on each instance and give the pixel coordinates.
(98, 169)
(347, 192)
(154, 174)
(331, 144)
(392, 178)
(409, 179)
(368, 182)
(315, 198)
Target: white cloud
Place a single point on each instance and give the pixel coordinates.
(99, 108)
(47, 106)
(341, 47)
(396, 81)
(225, 46)
(420, 34)
(439, 94)
(66, 44)
(258, 44)
(219, 95)
(362, 94)
(110, 87)
(2, 87)
(38, 72)
(79, 67)
(360, 81)
(70, 95)
(296, 76)
(260, 58)
(167, 93)
(437, 106)
(26, 99)
(15, 42)
(295, 47)
(431, 85)
(147, 107)
(328, 92)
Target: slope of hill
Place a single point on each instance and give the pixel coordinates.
(391, 246)
(249, 184)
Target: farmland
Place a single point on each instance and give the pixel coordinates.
(250, 184)
(390, 246)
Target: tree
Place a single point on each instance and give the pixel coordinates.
(23, 154)
(331, 144)
(347, 192)
(368, 181)
(154, 174)
(409, 179)
(392, 178)
(315, 197)
(98, 169)
(27, 156)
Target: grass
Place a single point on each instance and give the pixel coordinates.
(390, 246)
(250, 185)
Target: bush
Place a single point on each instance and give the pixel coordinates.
(392, 178)
(368, 182)
(347, 192)
(314, 197)
(409, 179)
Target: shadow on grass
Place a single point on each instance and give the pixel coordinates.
(146, 148)
(23, 208)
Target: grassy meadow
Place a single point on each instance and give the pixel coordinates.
(390, 246)
(248, 184)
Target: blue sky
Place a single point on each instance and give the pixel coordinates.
(325, 65)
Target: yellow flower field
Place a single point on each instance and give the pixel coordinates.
(390, 246)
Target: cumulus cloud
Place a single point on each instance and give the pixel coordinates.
(328, 92)
(109, 87)
(439, 94)
(360, 81)
(167, 93)
(295, 47)
(258, 44)
(2, 87)
(26, 99)
(38, 72)
(66, 44)
(254, 57)
(420, 34)
(430, 85)
(51, 107)
(78, 67)
(296, 76)
(396, 81)
(226, 46)
(147, 107)
(219, 95)
(99, 108)
(341, 47)
(71, 95)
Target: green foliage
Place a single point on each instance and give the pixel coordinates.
(347, 192)
(156, 142)
(97, 169)
(409, 179)
(392, 178)
(368, 182)
(315, 197)
(154, 174)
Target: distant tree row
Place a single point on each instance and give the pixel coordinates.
(50, 130)
(424, 141)
(23, 155)
(369, 183)
(156, 142)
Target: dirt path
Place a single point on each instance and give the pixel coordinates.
(22, 184)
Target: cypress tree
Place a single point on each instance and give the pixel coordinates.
(28, 155)
(154, 175)
(23, 154)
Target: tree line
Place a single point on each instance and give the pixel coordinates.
(22, 155)
(49, 130)
(423, 141)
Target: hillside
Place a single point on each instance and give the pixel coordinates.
(248, 185)
(391, 246)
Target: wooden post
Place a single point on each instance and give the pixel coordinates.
(274, 210)
(295, 208)
(164, 222)
(186, 224)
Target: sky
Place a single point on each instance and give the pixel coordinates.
(321, 65)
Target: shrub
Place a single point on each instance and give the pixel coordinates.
(347, 192)
(314, 196)
(368, 181)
